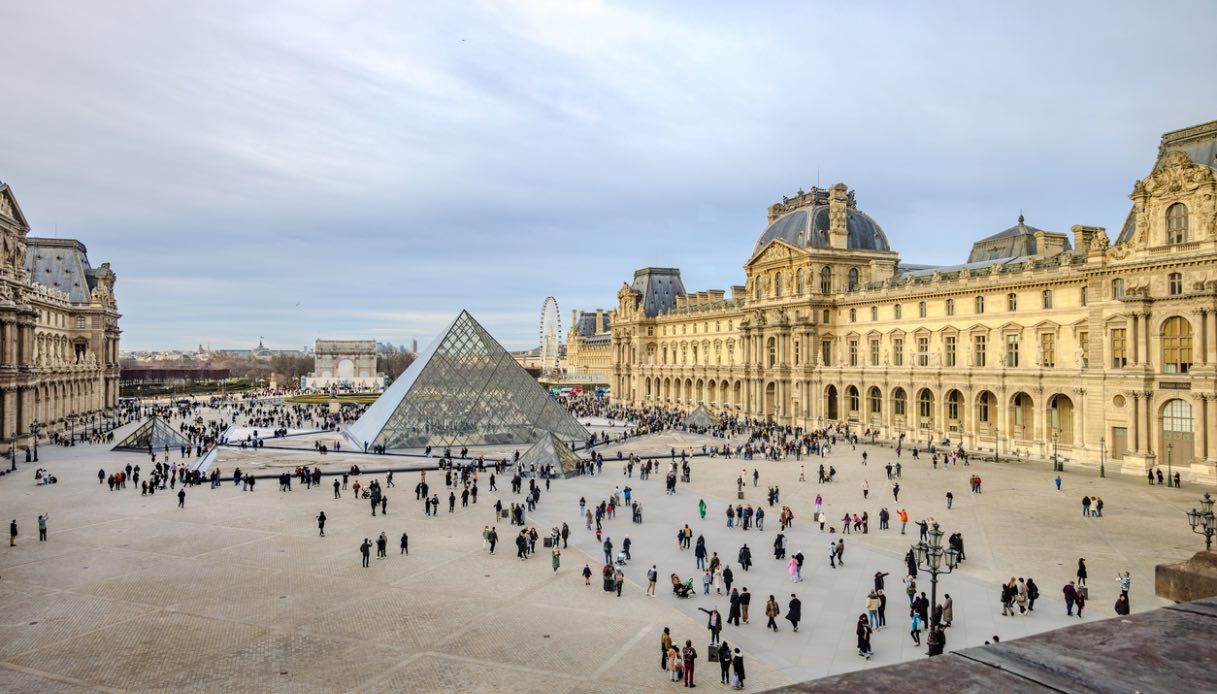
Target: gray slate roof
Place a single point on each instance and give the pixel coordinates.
(808, 228)
(659, 287)
(61, 264)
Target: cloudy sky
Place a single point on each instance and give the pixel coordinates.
(367, 169)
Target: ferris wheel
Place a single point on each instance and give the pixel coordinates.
(551, 334)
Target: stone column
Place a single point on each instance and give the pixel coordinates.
(1079, 419)
(1137, 438)
(1135, 342)
(1148, 411)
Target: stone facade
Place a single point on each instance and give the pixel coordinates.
(344, 364)
(58, 332)
(1043, 341)
(589, 345)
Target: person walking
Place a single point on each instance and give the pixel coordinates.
(950, 500)
(587, 581)
(794, 612)
(405, 544)
(42, 520)
(863, 632)
(872, 609)
(688, 656)
(1081, 572)
(745, 599)
(733, 612)
(772, 612)
(1080, 602)
(12, 533)
(652, 577)
(1071, 597)
(665, 639)
(1033, 592)
(724, 662)
(737, 667)
(382, 545)
(556, 559)
(321, 523)
(366, 550)
(181, 498)
(915, 630)
(336, 494)
(948, 609)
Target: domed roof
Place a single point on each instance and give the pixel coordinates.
(808, 228)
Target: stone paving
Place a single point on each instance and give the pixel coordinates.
(237, 591)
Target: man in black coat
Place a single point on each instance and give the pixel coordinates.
(734, 612)
(794, 612)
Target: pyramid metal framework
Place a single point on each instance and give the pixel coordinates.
(700, 418)
(550, 451)
(463, 390)
(154, 434)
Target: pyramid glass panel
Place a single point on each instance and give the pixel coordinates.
(464, 390)
(155, 434)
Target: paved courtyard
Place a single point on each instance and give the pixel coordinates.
(237, 591)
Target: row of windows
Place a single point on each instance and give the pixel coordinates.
(1174, 288)
(684, 328)
(853, 282)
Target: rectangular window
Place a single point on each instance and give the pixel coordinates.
(923, 351)
(921, 309)
(1084, 345)
(796, 352)
(1048, 345)
(982, 409)
(826, 353)
(896, 311)
(898, 406)
(650, 331)
(948, 344)
(853, 352)
(1119, 348)
(980, 342)
(1012, 351)
(874, 352)
(1084, 296)
(898, 351)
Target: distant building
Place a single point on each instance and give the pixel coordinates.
(58, 331)
(344, 364)
(589, 344)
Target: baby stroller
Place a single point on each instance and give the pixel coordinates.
(621, 559)
(682, 589)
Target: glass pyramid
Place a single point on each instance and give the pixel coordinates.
(551, 451)
(153, 435)
(463, 390)
(700, 418)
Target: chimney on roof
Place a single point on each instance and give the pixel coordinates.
(838, 204)
(599, 322)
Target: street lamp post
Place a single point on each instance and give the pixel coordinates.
(1056, 463)
(35, 426)
(1202, 521)
(1170, 479)
(1102, 452)
(929, 556)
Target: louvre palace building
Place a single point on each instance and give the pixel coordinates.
(58, 333)
(1097, 346)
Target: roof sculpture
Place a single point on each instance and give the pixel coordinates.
(463, 390)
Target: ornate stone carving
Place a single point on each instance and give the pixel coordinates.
(1177, 174)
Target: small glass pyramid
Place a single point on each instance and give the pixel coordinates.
(152, 436)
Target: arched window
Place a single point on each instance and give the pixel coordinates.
(853, 279)
(1176, 345)
(876, 400)
(1047, 295)
(950, 307)
(777, 284)
(773, 351)
(760, 289)
(980, 304)
(1177, 417)
(1175, 283)
(874, 313)
(925, 404)
(826, 280)
(921, 310)
(851, 395)
(899, 402)
(798, 281)
(1012, 302)
(1176, 223)
(953, 401)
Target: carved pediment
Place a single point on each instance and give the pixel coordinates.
(1176, 175)
(774, 251)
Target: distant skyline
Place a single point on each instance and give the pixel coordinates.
(367, 170)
